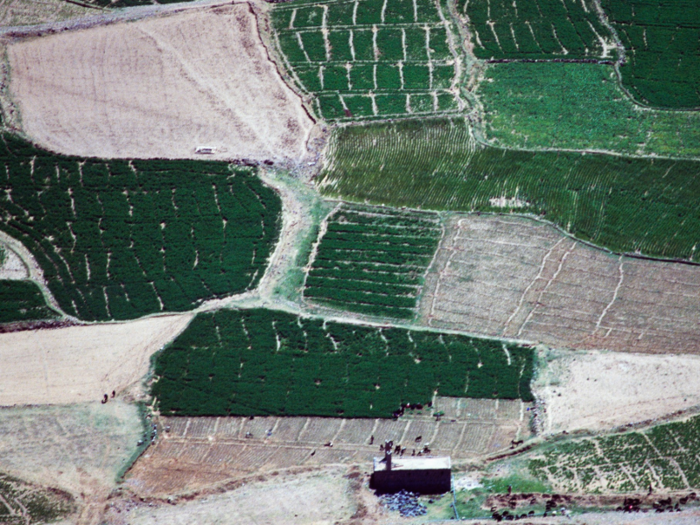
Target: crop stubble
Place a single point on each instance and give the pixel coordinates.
(513, 277)
(200, 452)
(222, 91)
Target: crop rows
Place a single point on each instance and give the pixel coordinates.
(664, 457)
(261, 362)
(540, 29)
(372, 260)
(525, 109)
(22, 301)
(648, 206)
(122, 239)
(369, 58)
(662, 49)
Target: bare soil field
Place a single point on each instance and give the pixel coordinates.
(101, 91)
(11, 265)
(601, 390)
(23, 12)
(195, 454)
(80, 363)
(77, 448)
(317, 498)
(519, 278)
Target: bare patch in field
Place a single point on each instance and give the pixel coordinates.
(319, 498)
(159, 88)
(24, 12)
(11, 265)
(518, 278)
(78, 448)
(194, 454)
(601, 391)
(80, 363)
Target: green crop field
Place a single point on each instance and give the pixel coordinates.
(662, 50)
(120, 239)
(22, 503)
(22, 301)
(369, 58)
(665, 457)
(579, 106)
(542, 29)
(372, 260)
(258, 362)
(649, 206)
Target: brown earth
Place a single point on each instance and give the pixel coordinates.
(196, 454)
(520, 278)
(81, 363)
(159, 87)
(77, 448)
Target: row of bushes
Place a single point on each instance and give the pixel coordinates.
(260, 362)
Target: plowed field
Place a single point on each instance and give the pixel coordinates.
(102, 92)
(513, 277)
(200, 452)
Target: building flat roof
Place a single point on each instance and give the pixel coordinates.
(414, 463)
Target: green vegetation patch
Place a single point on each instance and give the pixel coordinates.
(540, 29)
(372, 260)
(382, 47)
(262, 362)
(122, 239)
(21, 502)
(579, 106)
(662, 43)
(23, 301)
(649, 206)
(664, 457)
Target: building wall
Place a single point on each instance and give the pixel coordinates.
(433, 481)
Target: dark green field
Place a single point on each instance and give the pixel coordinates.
(372, 260)
(648, 206)
(22, 301)
(662, 43)
(122, 239)
(262, 362)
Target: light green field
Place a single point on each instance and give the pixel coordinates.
(579, 106)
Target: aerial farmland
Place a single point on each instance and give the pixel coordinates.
(254, 253)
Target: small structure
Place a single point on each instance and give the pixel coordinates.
(204, 150)
(425, 474)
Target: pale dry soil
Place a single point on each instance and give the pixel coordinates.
(199, 453)
(81, 363)
(11, 266)
(103, 92)
(523, 279)
(317, 498)
(603, 390)
(77, 448)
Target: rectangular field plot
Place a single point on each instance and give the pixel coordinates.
(662, 66)
(635, 205)
(122, 239)
(505, 29)
(262, 362)
(553, 289)
(624, 463)
(372, 260)
(346, 52)
(179, 464)
(525, 109)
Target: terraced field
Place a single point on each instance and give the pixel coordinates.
(520, 278)
(118, 239)
(196, 452)
(646, 206)
(664, 457)
(371, 59)
(579, 106)
(545, 29)
(263, 362)
(372, 260)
